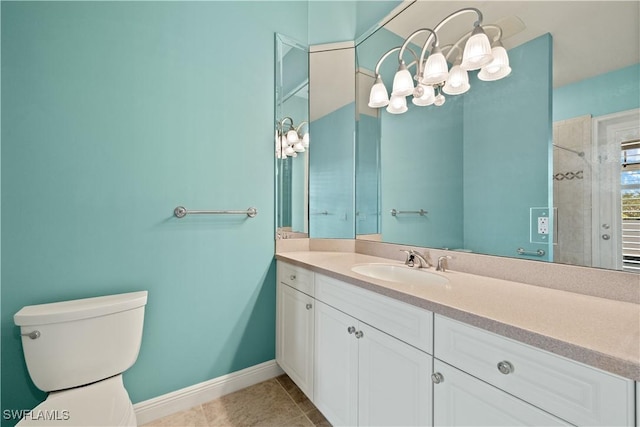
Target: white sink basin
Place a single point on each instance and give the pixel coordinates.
(400, 274)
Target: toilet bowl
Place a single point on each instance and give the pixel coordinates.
(77, 351)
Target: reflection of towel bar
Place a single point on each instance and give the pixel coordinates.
(539, 252)
(421, 212)
(320, 213)
(181, 212)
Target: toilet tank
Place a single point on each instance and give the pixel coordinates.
(81, 341)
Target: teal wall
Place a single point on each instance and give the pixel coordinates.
(477, 164)
(335, 21)
(421, 156)
(367, 176)
(331, 177)
(114, 113)
(507, 145)
(604, 94)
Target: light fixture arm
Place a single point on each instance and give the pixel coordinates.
(300, 126)
(388, 53)
(281, 123)
(408, 39)
(449, 18)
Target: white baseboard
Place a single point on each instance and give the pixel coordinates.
(197, 394)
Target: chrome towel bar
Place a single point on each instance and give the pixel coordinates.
(539, 252)
(421, 212)
(181, 212)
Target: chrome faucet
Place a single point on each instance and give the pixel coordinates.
(412, 255)
(442, 263)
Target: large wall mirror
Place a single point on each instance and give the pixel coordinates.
(292, 157)
(543, 164)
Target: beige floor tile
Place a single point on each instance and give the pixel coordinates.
(301, 421)
(296, 394)
(193, 417)
(264, 404)
(318, 419)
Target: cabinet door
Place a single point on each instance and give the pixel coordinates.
(462, 400)
(336, 366)
(294, 336)
(570, 390)
(394, 381)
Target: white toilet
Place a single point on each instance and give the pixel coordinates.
(77, 351)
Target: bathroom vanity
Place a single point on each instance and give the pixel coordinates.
(466, 350)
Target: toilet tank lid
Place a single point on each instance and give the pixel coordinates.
(85, 308)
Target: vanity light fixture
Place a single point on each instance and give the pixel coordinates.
(433, 76)
(289, 140)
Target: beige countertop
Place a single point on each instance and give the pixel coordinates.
(599, 332)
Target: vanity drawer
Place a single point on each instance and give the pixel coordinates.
(579, 394)
(296, 277)
(403, 321)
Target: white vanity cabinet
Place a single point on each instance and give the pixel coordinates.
(363, 375)
(367, 359)
(462, 400)
(295, 325)
(510, 383)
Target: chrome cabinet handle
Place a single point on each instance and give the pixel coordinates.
(359, 334)
(505, 367)
(33, 335)
(309, 306)
(292, 277)
(437, 378)
(351, 329)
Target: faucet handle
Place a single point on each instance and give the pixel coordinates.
(424, 261)
(442, 263)
(409, 259)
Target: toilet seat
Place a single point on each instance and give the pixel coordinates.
(104, 403)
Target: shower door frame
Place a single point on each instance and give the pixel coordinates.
(607, 204)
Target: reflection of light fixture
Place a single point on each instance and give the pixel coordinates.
(289, 140)
(433, 76)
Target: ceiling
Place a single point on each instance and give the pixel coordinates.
(589, 37)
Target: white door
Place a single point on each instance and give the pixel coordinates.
(610, 244)
(294, 351)
(336, 366)
(394, 381)
(462, 400)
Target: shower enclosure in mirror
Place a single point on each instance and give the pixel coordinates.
(520, 167)
(292, 155)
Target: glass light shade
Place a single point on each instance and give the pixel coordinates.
(397, 104)
(436, 69)
(498, 68)
(305, 140)
(378, 97)
(457, 82)
(298, 147)
(283, 142)
(477, 51)
(440, 99)
(292, 136)
(426, 98)
(402, 82)
(289, 151)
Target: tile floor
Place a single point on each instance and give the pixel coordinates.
(276, 402)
